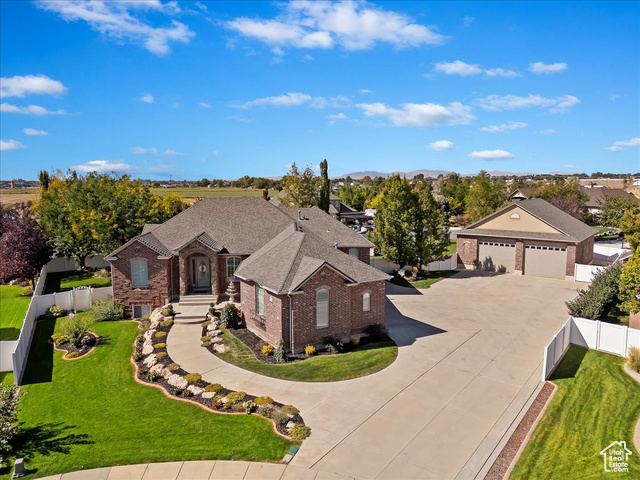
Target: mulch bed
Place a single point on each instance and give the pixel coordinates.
(215, 404)
(501, 466)
(81, 352)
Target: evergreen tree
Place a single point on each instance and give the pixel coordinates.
(279, 355)
(325, 186)
(44, 179)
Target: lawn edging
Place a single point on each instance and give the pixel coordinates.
(64, 357)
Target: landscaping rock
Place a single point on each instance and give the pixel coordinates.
(220, 348)
(216, 340)
(166, 373)
(147, 348)
(290, 425)
(208, 394)
(214, 332)
(150, 361)
(224, 400)
(195, 390)
(148, 334)
(158, 368)
(177, 381)
(156, 316)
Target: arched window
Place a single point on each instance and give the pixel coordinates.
(322, 308)
(354, 252)
(366, 302)
(232, 264)
(515, 216)
(139, 273)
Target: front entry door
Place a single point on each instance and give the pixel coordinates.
(200, 273)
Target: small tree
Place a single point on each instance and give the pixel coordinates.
(44, 179)
(630, 226)
(614, 208)
(630, 285)
(325, 186)
(280, 356)
(229, 316)
(431, 234)
(300, 188)
(485, 196)
(9, 401)
(601, 294)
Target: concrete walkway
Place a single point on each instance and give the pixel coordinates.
(470, 357)
(200, 470)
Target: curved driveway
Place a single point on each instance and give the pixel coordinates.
(470, 357)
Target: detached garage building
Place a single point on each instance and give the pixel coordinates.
(531, 237)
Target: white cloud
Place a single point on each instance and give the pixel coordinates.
(307, 58)
(287, 100)
(116, 21)
(21, 86)
(540, 68)
(463, 69)
(420, 114)
(512, 102)
(160, 167)
(351, 25)
(29, 110)
(201, 6)
(103, 166)
(491, 155)
(337, 116)
(548, 131)
(505, 127)
(441, 146)
(457, 68)
(365, 90)
(11, 145)
(147, 98)
(33, 131)
(156, 153)
(339, 101)
(173, 153)
(204, 105)
(622, 144)
(468, 21)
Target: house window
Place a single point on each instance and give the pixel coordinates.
(139, 273)
(232, 265)
(140, 311)
(515, 216)
(366, 302)
(354, 252)
(322, 308)
(260, 301)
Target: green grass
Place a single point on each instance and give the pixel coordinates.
(13, 307)
(203, 192)
(6, 378)
(430, 279)
(64, 281)
(91, 413)
(596, 404)
(364, 360)
(453, 247)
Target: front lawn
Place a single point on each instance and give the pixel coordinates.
(429, 279)
(596, 404)
(65, 281)
(13, 308)
(452, 248)
(91, 413)
(361, 361)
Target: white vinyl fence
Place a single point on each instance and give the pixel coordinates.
(387, 266)
(585, 273)
(66, 265)
(593, 334)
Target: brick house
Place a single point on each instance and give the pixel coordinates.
(530, 237)
(302, 275)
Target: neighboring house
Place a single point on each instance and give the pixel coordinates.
(530, 237)
(301, 275)
(337, 209)
(597, 196)
(521, 194)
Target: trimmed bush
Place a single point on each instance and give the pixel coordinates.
(206, 344)
(290, 410)
(299, 432)
(153, 376)
(166, 323)
(160, 334)
(55, 311)
(107, 310)
(601, 294)
(266, 412)
(193, 377)
(309, 350)
(206, 338)
(633, 360)
(213, 387)
(159, 346)
(280, 418)
(205, 324)
(229, 316)
(237, 407)
(160, 355)
(355, 341)
(280, 355)
(72, 355)
(235, 397)
(168, 311)
(263, 400)
(377, 332)
(173, 366)
(267, 349)
(56, 337)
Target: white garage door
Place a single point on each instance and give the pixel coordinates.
(545, 260)
(497, 256)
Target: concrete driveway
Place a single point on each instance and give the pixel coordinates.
(470, 358)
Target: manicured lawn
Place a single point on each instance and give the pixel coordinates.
(362, 361)
(596, 404)
(90, 413)
(13, 307)
(431, 278)
(64, 281)
(6, 378)
(453, 246)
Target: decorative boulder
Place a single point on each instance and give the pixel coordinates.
(216, 340)
(214, 332)
(177, 381)
(150, 361)
(156, 316)
(158, 368)
(166, 373)
(148, 334)
(208, 394)
(195, 390)
(220, 348)
(147, 348)
(290, 425)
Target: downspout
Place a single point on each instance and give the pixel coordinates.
(290, 323)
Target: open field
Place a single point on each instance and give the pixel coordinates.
(203, 192)
(12, 196)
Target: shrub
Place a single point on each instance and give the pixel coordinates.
(266, 412)
(229, 316)
(160, 355)
(280, 418)
(71, 355)
(107, 310)
(206, 338)
(137, 356)
(333, 345)
(280, 355)
(267, 349)
(249, 407)
(166, 323)
(193, 377)
(205, 324)
(355, 341)
(237, 407)
(76, 328)
(332, 349)
(227, 406)
(187, 393)
(263, 400)
(143, 372)
(309, 350)
(235, 397)
(140, 339)
(299, 432)
(213, 387)
(102, 273)
(153, 376)
(168, 311)
(206, 344)
(633, 360)
(211, 311)
(160, 334)
(56, 337)
(290, 410)
(603, 291)
(145, 318)
(144, 325)
(28, 292)
(377, 332)
(9, 400)
(55, 311)
(159, 346)
(177, 391)
(173, 366)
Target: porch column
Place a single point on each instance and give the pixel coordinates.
(184, 276)
(215, 288)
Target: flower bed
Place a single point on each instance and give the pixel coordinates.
(89, 342)
(154, 366)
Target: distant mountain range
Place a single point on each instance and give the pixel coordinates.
(434, 174)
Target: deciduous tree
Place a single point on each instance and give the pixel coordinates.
(485, 196)
(301, 189)
(566, 195)
(614, 208)
(630, 226)
(630, 285)
(355, 196)
(431, 233)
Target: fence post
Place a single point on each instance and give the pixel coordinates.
(598, 335)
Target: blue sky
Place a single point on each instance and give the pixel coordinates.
(224, 89)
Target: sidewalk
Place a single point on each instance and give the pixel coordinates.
(200, 470)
